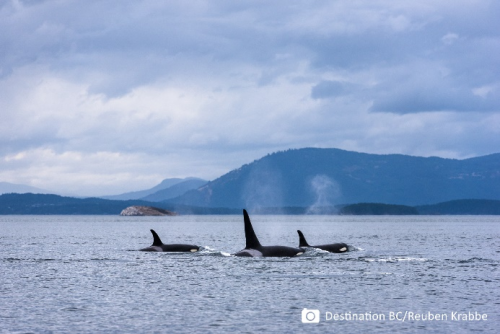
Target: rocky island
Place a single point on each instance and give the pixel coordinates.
(137, 210)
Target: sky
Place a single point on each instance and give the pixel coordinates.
(104, 97)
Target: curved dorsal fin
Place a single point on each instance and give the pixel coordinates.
(251, 238)
(156, 239)
(302, 240)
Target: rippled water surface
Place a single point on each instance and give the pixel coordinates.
(82, 274)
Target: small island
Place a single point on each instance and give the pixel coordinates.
(377, 209)
(137, 210)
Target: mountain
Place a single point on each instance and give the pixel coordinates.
(324, 177)
(7, 188)
(175, 190)
(165, 184)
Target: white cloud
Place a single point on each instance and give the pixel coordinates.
(449, 38)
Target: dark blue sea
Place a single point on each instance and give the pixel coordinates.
(83, 274)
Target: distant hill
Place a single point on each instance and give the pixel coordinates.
(8, 188)
(377, 209)
(458, 207)
(325, 177)
(462, 207)
(165, 184)
(175, 190)
(40, 204)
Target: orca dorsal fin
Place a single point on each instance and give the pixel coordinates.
(156, 239)
(302, 240)
(251, 238)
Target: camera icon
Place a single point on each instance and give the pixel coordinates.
(310, 316)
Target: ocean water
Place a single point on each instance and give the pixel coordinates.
(83, 274)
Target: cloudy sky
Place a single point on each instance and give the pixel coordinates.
(103, 97)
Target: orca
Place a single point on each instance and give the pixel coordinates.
(332, 248)
(255, 249)
(159, 246)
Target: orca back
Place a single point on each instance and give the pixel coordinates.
(180, 248)
(334, 248)
(159, 246)
(281, 251)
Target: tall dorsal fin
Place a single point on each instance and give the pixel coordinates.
(302, 240)
(252, 241)
(156, 239)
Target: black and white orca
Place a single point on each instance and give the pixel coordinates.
(255, 249)
(332, 248)
(159, 246)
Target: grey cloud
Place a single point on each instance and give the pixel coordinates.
(470, 62)
(432, 98)
(131, 44)
(428, 85)
(328, 88)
